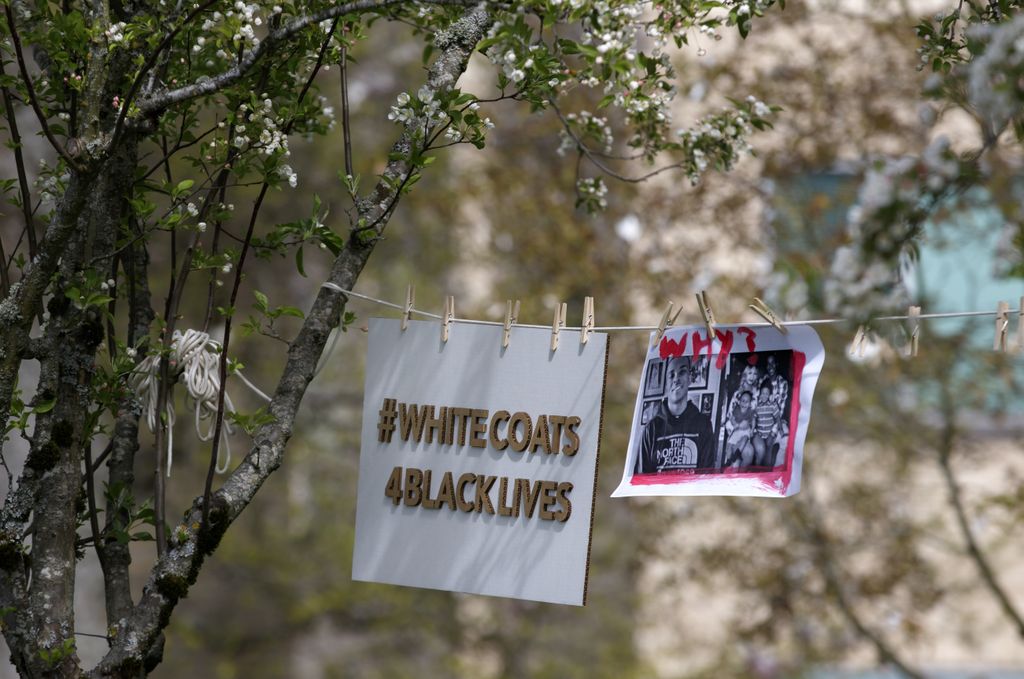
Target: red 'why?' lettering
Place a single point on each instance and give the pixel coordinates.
(670, 348)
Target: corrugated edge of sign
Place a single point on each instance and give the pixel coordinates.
(597, 465)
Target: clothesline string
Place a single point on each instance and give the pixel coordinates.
(648, 328)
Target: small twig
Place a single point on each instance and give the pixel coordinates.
(219, 424)
(346, 132)
(103, 456)
(17, 244)
(87, 634)
(90, 496)
(5, 280)
(600, 164)
(177, 147)
(115, 261)
(19, 161)
(946, 444)
(33, 100)
(397, 194)
(952, 24)
(10, 476)
(219, 187)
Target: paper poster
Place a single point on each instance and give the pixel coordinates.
(723, 417)
(478, 463)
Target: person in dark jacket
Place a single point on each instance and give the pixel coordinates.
(679, 438)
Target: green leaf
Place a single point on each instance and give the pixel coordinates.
(298, 262)
(262, 303)
(569, 46)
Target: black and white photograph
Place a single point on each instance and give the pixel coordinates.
(678, 435)
(701, 369)
(753, 421)
(728, 422)
(654, 382)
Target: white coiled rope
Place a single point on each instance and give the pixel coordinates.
(194, 361)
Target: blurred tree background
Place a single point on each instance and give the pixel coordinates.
(902, 550)
(867, 566)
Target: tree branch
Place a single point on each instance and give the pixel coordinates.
(223, 363)
(209, 85)
(125, 440)
(25, 297)
(150, 62)
(834, 582)
(346, 131)
(945, 445)
(594, 158)
(33, 100)
(19, 162)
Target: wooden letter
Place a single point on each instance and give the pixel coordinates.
(483, 490)
(433, 424)
(498, 443)
(460, 492)
(517, 496)
(393, 489)
(562, 492)
(462, 414)
(503, 509)
(519, 444)
(556, 422)
(528, 497)
(446, 493)
(451, 426)
(478, 426)
(573, 445)
(546, 500)
(411, 421)
(413, 487)
(541, 436)
(427, 502)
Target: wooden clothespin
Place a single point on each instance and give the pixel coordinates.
(667, 319)
(859, 340)
(410, 295)
(557, 324)
(1020, 325)
(765, 312)
(1002, 323)
(511, 318)
(704, 304)
(588, 319)
(447, 317)
(915, 329)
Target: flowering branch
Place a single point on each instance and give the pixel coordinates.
(33, 100)
(209, 85)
